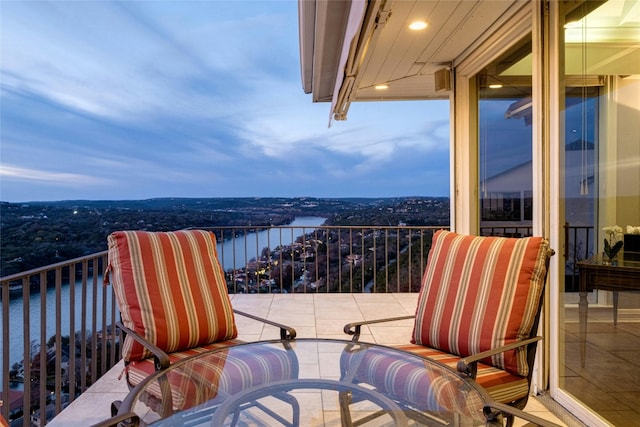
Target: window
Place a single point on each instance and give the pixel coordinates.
(505, 141)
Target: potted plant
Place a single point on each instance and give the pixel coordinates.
(612, 244)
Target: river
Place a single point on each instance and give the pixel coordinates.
(232, 254)
(235, 253)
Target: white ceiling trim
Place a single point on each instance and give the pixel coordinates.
(510, 28)
(307, 28)
(345, 66)
(376, 14)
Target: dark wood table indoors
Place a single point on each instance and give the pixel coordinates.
(623, 275)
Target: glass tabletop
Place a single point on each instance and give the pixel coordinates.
(310, 382)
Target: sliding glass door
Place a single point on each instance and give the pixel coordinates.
(599, 197)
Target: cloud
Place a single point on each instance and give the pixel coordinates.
(113, 68)
(66, 178)
(368, 140)
(153, 99)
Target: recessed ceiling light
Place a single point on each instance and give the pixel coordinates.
(381, 87)
(418, 25)
(495, 86)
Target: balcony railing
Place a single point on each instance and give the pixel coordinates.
(324, 259)
(61, 316)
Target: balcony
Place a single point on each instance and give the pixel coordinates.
(313, 315)
(315, 279)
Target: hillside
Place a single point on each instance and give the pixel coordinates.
(35, 234)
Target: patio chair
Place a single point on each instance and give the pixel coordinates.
(478, 311)
(173, 301)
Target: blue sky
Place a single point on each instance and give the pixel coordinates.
(136, 100)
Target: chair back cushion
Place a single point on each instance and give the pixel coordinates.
(479, 293)
(170, 289)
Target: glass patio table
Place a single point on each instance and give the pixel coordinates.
(309, 382)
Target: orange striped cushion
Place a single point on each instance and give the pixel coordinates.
(417, 382)
(479, 293)
(213, 377)
(138, 370)
(502, 386)
(170, 289)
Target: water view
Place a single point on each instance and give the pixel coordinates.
(236, 252)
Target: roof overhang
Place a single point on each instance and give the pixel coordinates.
(347, 48)
(322, 26)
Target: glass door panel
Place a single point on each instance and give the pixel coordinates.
(505, 135)
(600, 316)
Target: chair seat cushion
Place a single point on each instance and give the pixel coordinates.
(213, 377)
(138, 370)
(502, 386)
(411, 382)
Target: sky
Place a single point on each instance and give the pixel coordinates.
(142, 99)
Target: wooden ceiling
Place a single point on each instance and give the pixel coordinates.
(391, 53)
(383, 50)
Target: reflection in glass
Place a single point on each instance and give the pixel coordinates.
(505, 151)
(601, 188)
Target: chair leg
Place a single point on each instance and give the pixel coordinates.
(509, 419)
(344, 398)
(284, 397)
(115, 407)
(295, 407)
(615, 308)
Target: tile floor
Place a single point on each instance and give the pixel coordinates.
(609, 381)
(320, 316)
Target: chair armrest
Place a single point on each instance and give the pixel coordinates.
(286, 332)
(493, 411)
(129, 419)
(469, 364)
(161, 359)
(354, 328)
